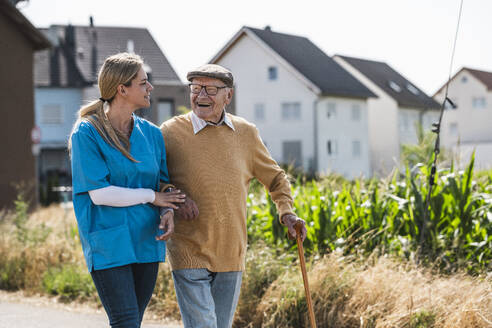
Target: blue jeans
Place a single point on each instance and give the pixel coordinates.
(125, 292)
(207, 299)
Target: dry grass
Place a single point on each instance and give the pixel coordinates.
(163, 303)
(23, 264)
(386, 294)
(374, 293)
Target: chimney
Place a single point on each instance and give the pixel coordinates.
(268, 28)
(70, 39)
(91, 21)
(130, 46)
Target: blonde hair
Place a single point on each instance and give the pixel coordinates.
(118, 69)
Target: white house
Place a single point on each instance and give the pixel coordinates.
(394, 115)
(310, 111)
(469, 126)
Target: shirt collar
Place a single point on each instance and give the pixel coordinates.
(199, 124)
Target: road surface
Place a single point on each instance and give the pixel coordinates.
(21, 312)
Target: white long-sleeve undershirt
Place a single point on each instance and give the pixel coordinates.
(121, 196)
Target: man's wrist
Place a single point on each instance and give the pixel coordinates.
(165, 210)
(286, 216)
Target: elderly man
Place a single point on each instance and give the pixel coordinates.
(212, 156)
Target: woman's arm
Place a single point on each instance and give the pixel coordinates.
(122, 197)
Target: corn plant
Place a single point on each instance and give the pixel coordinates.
(363, 216)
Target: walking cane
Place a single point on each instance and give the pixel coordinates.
(300, 249)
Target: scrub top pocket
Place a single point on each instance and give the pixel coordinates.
(111, 247)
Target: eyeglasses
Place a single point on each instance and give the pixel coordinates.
(211, 90)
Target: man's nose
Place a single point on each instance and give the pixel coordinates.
(204, 91)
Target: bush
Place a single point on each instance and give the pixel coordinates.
(422, 319)
(25, 235)
(12, 272)
(69, 282)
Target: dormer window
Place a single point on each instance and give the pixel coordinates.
(272, 73)
(412, 89)
(393, 85)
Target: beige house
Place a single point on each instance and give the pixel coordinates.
(469, 126)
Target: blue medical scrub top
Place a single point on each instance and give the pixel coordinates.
(115, 236)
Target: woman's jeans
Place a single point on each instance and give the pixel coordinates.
(125, 292)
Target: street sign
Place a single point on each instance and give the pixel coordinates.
(36, 135)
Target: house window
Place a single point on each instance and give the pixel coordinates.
(393, 85)
(356, 148)
(164, 111)
(272, 73)
(464, 79)
(453, 129)
(259, 112)
(52, 114)
(355, 112)
(332, 147)
(404, 122)
(292, 153)
(331, 110)
(412, 89)
(291, 111)
(479, 102)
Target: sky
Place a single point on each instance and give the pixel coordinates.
(415, 37)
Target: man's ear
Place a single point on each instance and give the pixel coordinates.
(230, 92)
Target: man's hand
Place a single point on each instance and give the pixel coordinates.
(290, 221)
(188, 210)
(167, 224)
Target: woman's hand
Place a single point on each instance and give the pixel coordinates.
(167, 224)
(169, 199)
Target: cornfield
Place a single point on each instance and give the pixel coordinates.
(360, 217)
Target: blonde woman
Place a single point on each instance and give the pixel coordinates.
(118, 165)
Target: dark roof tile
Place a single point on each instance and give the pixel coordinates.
(72, 64)
(484, 76)
(314, 64)
(384, 75)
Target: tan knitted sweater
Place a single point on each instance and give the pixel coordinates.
(214, 168)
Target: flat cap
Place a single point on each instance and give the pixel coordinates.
(213, 71)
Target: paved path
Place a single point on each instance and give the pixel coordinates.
(19, 314)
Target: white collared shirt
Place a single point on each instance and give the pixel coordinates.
(199, 124)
